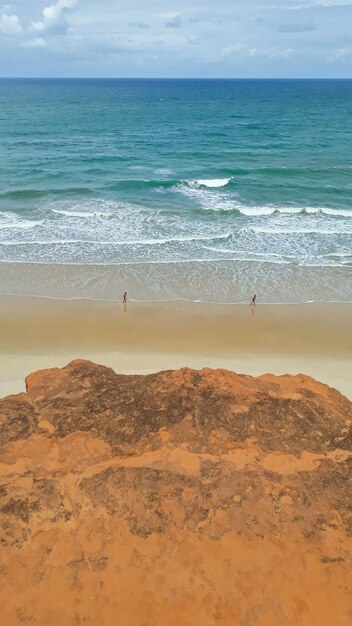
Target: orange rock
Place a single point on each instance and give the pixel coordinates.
(177, 498)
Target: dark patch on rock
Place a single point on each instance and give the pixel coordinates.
(126, 410)
(18, 418)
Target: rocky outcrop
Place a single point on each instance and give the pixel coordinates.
(182, 497)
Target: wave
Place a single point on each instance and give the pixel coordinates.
(94, 208)
(33, 194)
(329, 211)
(250, 252)
(221, 201)
(258, 260)
(337, 254)
(168, 178)
(11, 220)
(83, 214)
(206, 199)
(134, 184)
(332, 260)
(168, 183)
(23, 194)
(127, 242)
(267, 210)
(212, 183)
(23, 224)
(277, 230)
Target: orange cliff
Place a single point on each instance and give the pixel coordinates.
(182, 498)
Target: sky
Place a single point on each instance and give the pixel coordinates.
(184, 38)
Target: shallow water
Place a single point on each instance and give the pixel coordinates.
(203, 190)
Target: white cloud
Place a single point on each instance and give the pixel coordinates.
(241, 50)
(37, 42)
(340, 55)
(286, 53)
(232, 50)
(332, 3)
(10, 24)
(54, 18)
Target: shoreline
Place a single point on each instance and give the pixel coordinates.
(308, 338)
(171, 300)
(228, 281)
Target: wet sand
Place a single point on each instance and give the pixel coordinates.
(36, 333)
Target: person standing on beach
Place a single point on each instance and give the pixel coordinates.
(124, 298)
(253, 300)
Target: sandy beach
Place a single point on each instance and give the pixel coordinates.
(37, 333)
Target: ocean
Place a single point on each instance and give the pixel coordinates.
(203, 190)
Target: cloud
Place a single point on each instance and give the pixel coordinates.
(314, 5)
(37, 42)
(10, 24)
(340, 55)
(271, 53)
(110, 37)
(174, 22)
(332, 3)
(286, 53)
(232, 50)
(241, 51)
(54, 18)
(297, 28)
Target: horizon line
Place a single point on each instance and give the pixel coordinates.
(244, 78)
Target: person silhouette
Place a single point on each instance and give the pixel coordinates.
(124, 298)
(253, 300)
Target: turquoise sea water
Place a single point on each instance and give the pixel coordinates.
(203, 190)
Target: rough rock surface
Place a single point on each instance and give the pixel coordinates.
(180, 498)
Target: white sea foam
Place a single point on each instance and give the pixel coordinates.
(163, 171)
(337, 254)
(256, 211)
(224, 201)
(110, 232)
(208, 200)
(20, 224)
(248, 252)
(83, 214)
(126, 242)
(209, 182)
(328, 211)
(93, 208)
(249, 255)
(278, 230)
(11, 220)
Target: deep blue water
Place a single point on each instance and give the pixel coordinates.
(236, 182)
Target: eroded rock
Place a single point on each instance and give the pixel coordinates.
(176, 498)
